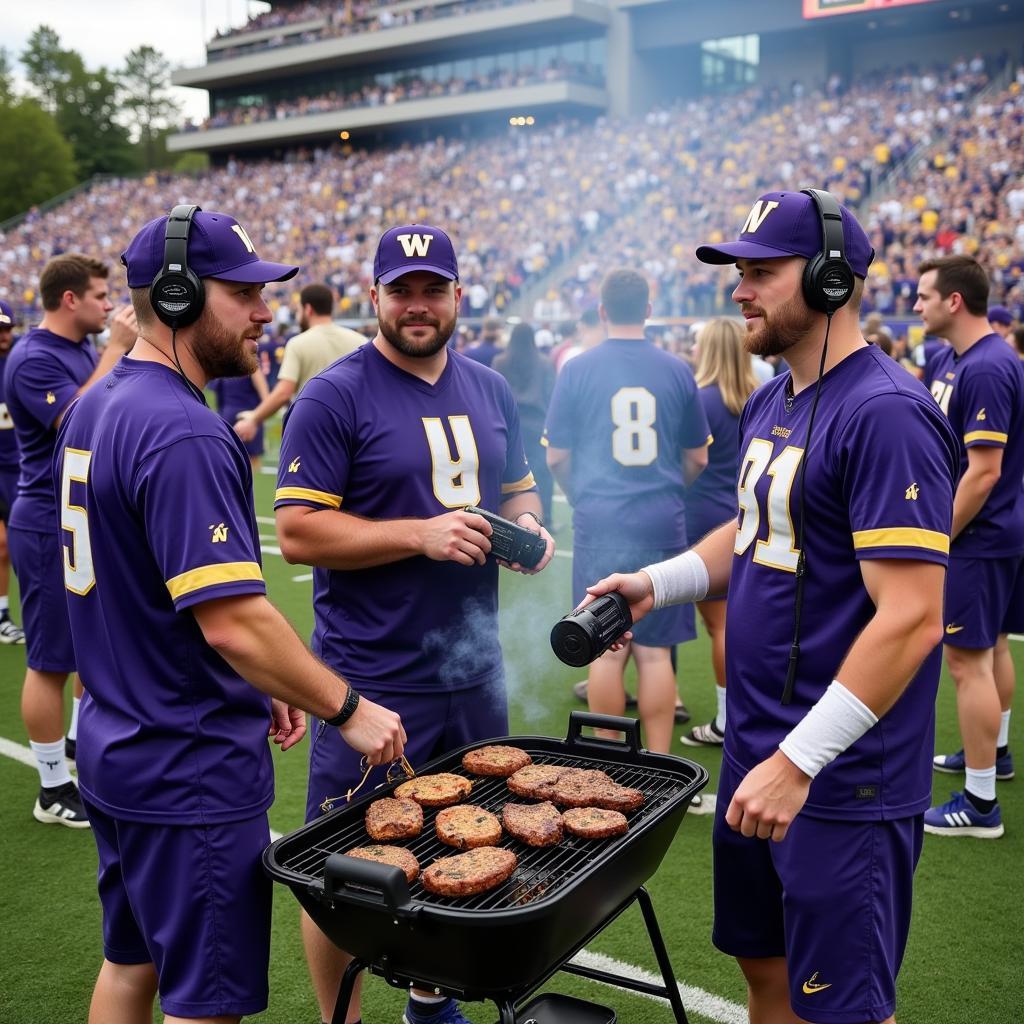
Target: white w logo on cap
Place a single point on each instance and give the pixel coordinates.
(758, 212)
(415, 245)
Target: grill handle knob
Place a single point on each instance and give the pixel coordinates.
(579, 720)
(367, 883)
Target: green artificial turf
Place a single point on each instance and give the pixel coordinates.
(967, 916)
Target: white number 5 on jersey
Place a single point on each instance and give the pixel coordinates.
(456, 480)
(79, 577)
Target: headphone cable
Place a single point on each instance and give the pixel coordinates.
(177, 362)
(801, 559)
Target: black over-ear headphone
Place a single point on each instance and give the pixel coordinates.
(828, 278)
(176, 294)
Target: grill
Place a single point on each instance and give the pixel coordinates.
(502, 944)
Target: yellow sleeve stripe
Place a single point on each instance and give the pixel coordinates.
(208, 575)
(306, 494)
(711, 440)
(986, 435)
(902, 537)
(544, 441)
(520, 485)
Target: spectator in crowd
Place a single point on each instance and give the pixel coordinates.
(10, 632)
(489, 345)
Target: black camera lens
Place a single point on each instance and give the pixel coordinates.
(586, 633)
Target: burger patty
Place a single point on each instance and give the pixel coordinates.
(536, 780)
(467, 874)
(394, 819)
(441, 790)
(595, 789)
(496, 760)
(533, 824)
(393, 855)
(594, 822)
(466, 827)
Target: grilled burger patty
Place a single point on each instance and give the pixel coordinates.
(467, 874)
(495, 760)
(536, 780)
(394, 819)
(441, 790)
(533, 824)
(594, 822)
(466, 827)
(393, 855)
(595, 789)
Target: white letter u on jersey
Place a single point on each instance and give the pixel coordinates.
(456, 481)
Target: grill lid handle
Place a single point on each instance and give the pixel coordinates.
(380, 885)
(579, 720)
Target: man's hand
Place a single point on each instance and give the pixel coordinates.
(124, 329)
(768, 799)
(376, 732)
(246, 426)
(528, 522)
(287, 724)
(456, 537)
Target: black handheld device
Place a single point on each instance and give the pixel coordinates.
(512, 543)
(586, 633)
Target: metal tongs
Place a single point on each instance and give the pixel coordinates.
(398, 769)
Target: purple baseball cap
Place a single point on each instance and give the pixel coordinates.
(412, 247)
(787, 224)
(218, 246)
(996, 315)
(6, 315)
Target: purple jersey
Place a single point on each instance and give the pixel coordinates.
(380, 443)
(711, 498)
(234, 395)
(43, 375)
(982, 393)
(157, 517)
(879, 484)
(8, 442)
(270, 352)
(627, 410)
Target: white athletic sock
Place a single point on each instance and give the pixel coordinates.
(73, 727)
(981, 782)
(720, 717)
(428, 1000)
(1004, 730)
(4, 605)
(53, 769)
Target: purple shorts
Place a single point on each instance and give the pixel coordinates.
(8, 490)
(192, 900)
(435, 722)
(38, 563)
(255, 446)
(979, 600)
(833, 898)
(1013, 621)
(664, 628)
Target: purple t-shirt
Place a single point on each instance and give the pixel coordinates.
(369, 438)
(270, 353)
(234, 395)
(158, 517)
(982, 393)
(8, 442)
(44, 373)
(627, 410)
(711, 498)
(879, 485)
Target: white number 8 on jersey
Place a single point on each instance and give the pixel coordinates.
(634, 440)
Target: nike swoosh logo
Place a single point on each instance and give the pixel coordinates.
(810, 989)
(953, 629)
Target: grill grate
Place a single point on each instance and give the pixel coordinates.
(541, 872)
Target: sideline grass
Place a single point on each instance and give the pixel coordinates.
(967, 917)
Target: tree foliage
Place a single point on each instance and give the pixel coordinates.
(36, 161)
(145, 99)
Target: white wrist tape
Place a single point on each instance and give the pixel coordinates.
(679, 580)
(835, 723)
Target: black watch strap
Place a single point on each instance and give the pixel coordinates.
(533, 515)
(348, 709)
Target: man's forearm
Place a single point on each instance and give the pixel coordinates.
(338, 540)
(562, 472)
(282, 391)
(716, 551)
(971, 494)
(516, 504)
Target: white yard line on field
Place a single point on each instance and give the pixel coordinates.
(696, 1000)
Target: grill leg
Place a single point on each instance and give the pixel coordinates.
(506, 1011)
(348, 983)
(654, 932)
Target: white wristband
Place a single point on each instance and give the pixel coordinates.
(679, 580)
(835, 723)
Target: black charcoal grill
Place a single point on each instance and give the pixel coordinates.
(503, 944)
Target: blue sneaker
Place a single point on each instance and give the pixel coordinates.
(954, 764)
(447, 1012)
(959, 817)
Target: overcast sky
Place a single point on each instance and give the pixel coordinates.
(103, 31)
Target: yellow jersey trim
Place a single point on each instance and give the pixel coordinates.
(545, 443)
(307, 494)
(520, 485)
(711, 440)
(986, 435)
(902, 537)
(209, 575)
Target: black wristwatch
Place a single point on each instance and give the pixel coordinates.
(348, 709)
(534, 516)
